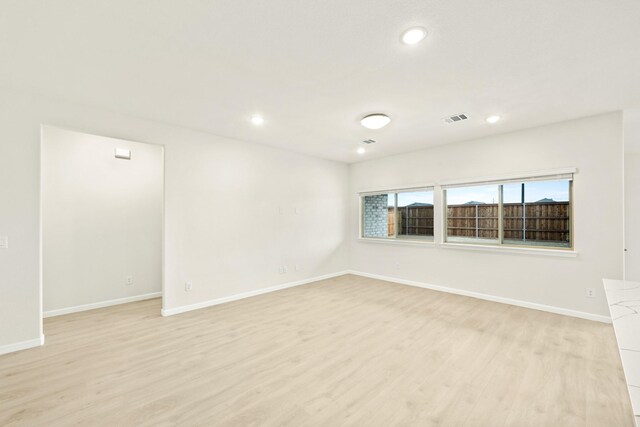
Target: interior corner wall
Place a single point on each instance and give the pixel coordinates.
(631, 119)
(593, 145)
(101, 219)
(234, 211)
(632, 210)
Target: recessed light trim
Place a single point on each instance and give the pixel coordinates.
(413, 35)
(493, 119)
(361, 150)
(375, 121)
(257, 119)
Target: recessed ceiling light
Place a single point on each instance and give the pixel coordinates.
(361, 150)
(375, 121)
(257, 120)
(493, 119)
(413, 35)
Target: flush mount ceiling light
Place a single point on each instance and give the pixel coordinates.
(493, 119)
(257, 120)
(413, 35)
(375, 121)
(361, 150)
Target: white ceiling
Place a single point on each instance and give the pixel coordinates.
(313, 68)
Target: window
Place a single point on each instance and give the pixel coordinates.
(537, 213)
(529, 212)
(472, 214)
(401, 215)
(414, 215)
(377, 215)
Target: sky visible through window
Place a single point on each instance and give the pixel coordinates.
(478, 193)
(534, 191)
(409, 198)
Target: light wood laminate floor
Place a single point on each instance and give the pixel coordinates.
(345, 351)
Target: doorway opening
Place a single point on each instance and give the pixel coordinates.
(102, 202)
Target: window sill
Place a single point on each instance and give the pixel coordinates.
(407, 242)
(562, 253)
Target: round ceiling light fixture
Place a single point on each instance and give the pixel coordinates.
(493, 119)
(361, 150)
(257, 120)
(413, 35)
(375, 121)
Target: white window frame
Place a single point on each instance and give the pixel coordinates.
(428, 240)
(553, 175)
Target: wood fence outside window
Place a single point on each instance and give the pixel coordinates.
(545, 222)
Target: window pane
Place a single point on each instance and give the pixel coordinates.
(415, 215)
(537, 213)
(472, 214)
(377, 215)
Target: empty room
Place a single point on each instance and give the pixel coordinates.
(319, 213)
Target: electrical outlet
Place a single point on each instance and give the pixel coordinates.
(285, 269)
(188, 286)
(129, 280)
(4, 242)
(591, 293)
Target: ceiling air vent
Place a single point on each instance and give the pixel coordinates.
(457, 118)
(369, 141)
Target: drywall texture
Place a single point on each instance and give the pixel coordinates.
(102, 219)
(593, 145)
(230, 209)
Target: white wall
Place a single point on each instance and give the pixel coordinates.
(632, 215)
(102, 219)
(593, 145)
(223, 229)
(225, 233)
(632, 193)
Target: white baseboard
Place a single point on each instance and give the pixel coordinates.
(23, 345)
(85, 307)
(209, 303)
(503, 300)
